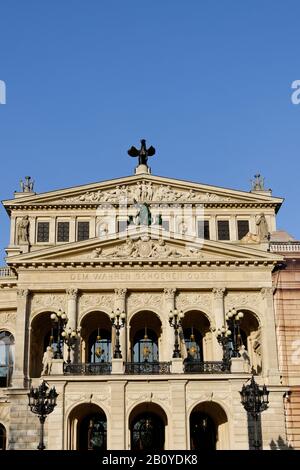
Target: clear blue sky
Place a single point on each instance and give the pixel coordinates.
(208, 83)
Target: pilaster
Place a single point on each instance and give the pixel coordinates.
(269, 342)
(21, 338)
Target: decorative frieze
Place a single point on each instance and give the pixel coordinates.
(187, 299)
(97, 301)
(144, 192)
(7, 318)
(48, 301)
(144, 300)
(242, 299)
(146, 248)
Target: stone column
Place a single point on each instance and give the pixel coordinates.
(120, 303)
(21, 337)
(218, 310)
(72, 296)
(268, 337)
(168, 341)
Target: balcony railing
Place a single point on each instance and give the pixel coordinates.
(206, 367)
(6, 272)
(147, 367)
(97, 368)
(285, 247)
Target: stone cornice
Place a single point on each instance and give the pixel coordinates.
(145, 262)
(210, 205)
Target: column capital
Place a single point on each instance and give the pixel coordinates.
(170, 292)
(72, 293)
(218, 292)
(22, 293)
(267, 292)
(120, 293)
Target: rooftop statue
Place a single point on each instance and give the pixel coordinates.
(27, 186)
(143, 153)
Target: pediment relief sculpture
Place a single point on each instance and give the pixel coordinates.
(145, 192)
(146, 248)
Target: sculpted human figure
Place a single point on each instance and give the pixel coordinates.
(262, 228)
(47, 361)
(23, 230)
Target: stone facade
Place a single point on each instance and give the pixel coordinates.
(143, 271)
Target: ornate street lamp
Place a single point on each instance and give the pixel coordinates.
(255, 400)
(42, 401)
(175, 318)
(60, 320)
(70, 337)
(233, 319)
(224, 338)
(117, 319)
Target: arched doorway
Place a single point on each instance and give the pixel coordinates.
(96, 338)
(145, 334)
(2, 437)
(208, 427)
(87, 428)
(147, 425)
(7, 342)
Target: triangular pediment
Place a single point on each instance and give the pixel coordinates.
(142, 188)
(144, 245)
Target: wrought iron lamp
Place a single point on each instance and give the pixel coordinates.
(117, 319)
(146, 348)
(233, 319)
(224, 338)
(255, 400)
(42, 402)
(175, 318)
(60, 320)
(70, 337)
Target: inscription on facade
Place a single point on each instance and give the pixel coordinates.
(142, 276)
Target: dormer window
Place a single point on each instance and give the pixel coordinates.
(83, 231)
(63, 231)
(243, 228)
(223, 230)
(42, 232)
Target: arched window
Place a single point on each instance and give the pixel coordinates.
(145, 346)
(193, 342)
(99, 346)
(6, 358)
